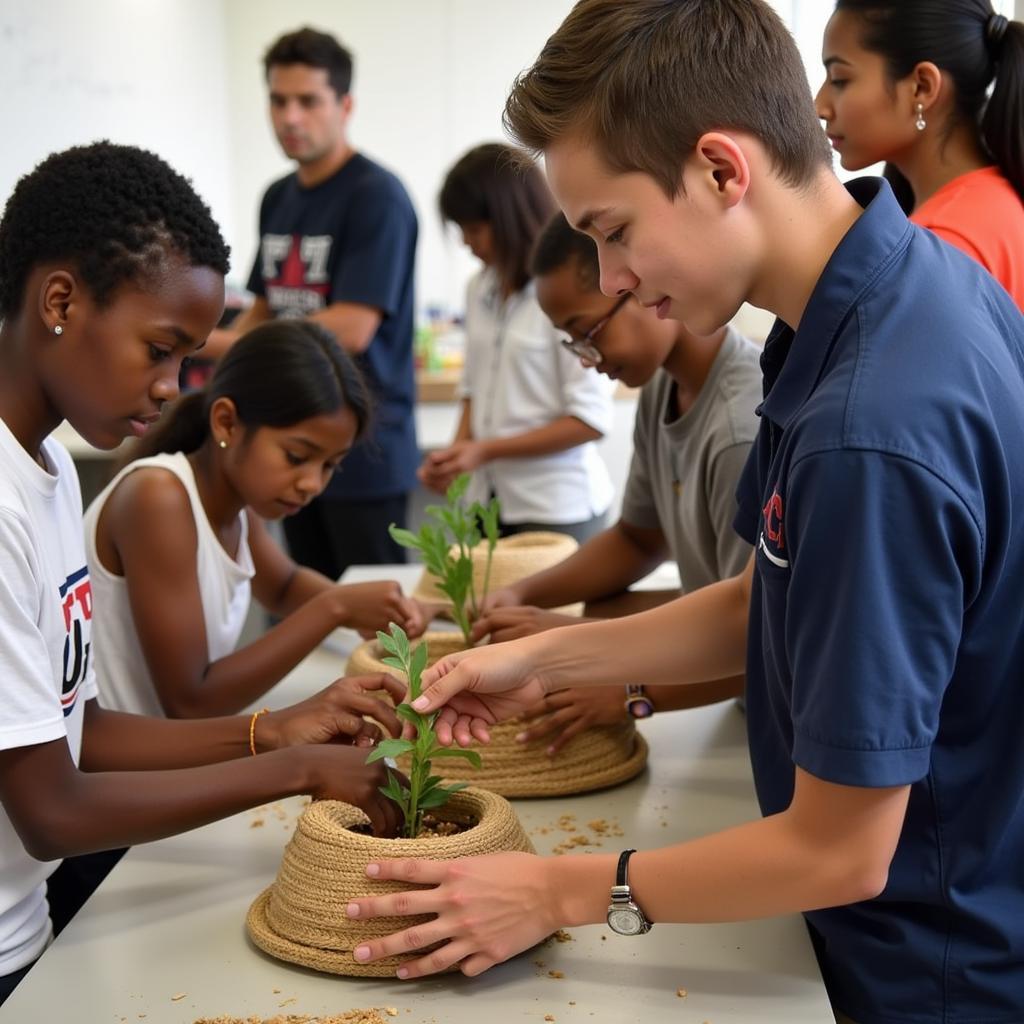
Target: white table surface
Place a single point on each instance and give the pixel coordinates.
(169, 920)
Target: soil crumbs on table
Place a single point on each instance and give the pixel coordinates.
(373, 1015)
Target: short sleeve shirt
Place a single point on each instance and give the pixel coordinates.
(46, 610)
(518, 378)
(352, 238)
(684, 470)
(981, 213)
(885, 498)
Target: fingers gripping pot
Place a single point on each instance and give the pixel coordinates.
(595, 759)
(301, 918)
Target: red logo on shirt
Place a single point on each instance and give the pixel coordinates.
(772, 513)
(76, 602)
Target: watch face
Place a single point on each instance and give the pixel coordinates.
(625, 922)
(640, 707)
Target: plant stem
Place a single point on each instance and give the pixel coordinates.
(487, 572)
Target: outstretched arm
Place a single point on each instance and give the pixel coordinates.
(491, 684)
(831, 847)
(604, 565)
(143, 779)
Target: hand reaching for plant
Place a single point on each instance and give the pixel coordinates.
(481, 919)
(505, 597)
(334, 715)
(566, 713)
(478, 688)
(371, 606)
(503, 624)
(341, 773)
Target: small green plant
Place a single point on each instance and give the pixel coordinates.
(445, 545)
(425, 791)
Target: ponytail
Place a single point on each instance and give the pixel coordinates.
(277, 375)
(972, 44)
(1002, 125)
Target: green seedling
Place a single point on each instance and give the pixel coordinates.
(446, 543)
(425, 791)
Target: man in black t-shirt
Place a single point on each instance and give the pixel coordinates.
(337, 245)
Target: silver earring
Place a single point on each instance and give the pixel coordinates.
(58, 329)
(222, 444)
(920, 124)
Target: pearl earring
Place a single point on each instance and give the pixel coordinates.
(222, 444)
(920, 124)
(58, 329)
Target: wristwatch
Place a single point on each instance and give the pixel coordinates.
(638, 704)
(624, 916)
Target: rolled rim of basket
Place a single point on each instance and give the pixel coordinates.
(301, 917)
(515, 558)
(594, 759)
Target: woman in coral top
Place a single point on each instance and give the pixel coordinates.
(908, 82)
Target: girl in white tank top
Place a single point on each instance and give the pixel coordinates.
(176, 544)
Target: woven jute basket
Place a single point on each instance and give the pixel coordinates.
(514, 559)
(301, 917)
(595, 759)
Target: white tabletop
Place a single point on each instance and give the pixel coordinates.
(163, 938)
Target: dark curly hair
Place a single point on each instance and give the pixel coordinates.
(115, 212)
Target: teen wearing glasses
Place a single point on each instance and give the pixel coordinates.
(694, 427)
(530, 412)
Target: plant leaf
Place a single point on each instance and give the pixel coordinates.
(457, 488)
(394, 663)
(393, 790)
(404, 538)
(401, 641)
(417, 664)
(438, 798)
(386, 642)
(390, 748)
(406, 713)
(470, 755)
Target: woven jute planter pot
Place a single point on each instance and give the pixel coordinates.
(301, 917)
(595, 759)
(514, 559)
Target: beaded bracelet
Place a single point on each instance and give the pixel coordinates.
(252, 729)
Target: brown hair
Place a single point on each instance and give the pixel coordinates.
(644, 80)
(495, 183)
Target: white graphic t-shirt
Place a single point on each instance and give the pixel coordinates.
(45, 665)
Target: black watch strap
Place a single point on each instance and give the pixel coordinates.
(621, 876)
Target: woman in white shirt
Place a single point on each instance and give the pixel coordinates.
(176, 543)
(531, 414)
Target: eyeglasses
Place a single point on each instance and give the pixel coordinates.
(582, 346)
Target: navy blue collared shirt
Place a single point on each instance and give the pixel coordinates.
(885, 500)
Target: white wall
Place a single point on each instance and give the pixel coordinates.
(430, 81)
(146, 72)
(184, 77)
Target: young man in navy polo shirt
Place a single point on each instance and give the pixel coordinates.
(880, 620)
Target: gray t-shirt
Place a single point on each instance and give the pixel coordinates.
(683, 475)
